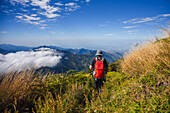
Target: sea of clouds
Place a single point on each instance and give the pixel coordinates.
(22, 60)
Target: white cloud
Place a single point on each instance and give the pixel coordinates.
(146, 19)
(108, 34)
(102, 25)
(49, 10)
(43, 28)
(11, 10)
(34, 9)
(33, 14)
(24, 10)
(24, 17)
(3, 32)
(70, 4)
(127, 27)
(53, 9)
(50, 15)
(27, 59)
(32, 22)
(20, 17)
(59, 4)
(138, 20)
(42, 21)
(130, 31)
(165, 15)
(6, 11)
(42, 4)
(31, 17)
(46, 9)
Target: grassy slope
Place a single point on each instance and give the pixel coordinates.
(121, 93)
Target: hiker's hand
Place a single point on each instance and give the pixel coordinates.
(90, 67)
(104, 79)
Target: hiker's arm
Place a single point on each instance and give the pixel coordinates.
(91, 67)
(92, 63)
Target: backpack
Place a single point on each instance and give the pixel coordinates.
(99, 68)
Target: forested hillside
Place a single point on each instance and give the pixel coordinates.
(74, 59)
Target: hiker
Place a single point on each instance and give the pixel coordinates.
(100, 68)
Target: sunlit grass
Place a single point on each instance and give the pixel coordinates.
(153, 56)
(15, 86)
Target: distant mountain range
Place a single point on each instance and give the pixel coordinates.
(14, 48)
(79, 59)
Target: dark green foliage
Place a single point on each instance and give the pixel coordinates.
(115, 66)
(165, 40)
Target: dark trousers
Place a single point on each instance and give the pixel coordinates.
(98, 83)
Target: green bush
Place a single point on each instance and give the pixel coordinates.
(116, 65)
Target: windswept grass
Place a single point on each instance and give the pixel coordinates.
(151, 57)
(15, 86)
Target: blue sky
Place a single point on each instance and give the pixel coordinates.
(91, 24)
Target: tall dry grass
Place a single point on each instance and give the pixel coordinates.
(151, 57)
(14, 86)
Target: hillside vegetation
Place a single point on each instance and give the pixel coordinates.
(141, 85)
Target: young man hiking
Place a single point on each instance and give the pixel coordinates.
(100, 68)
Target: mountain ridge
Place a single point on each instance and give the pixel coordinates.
(75, 59)
(15, 48)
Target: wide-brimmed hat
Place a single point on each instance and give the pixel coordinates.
(99, 52)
